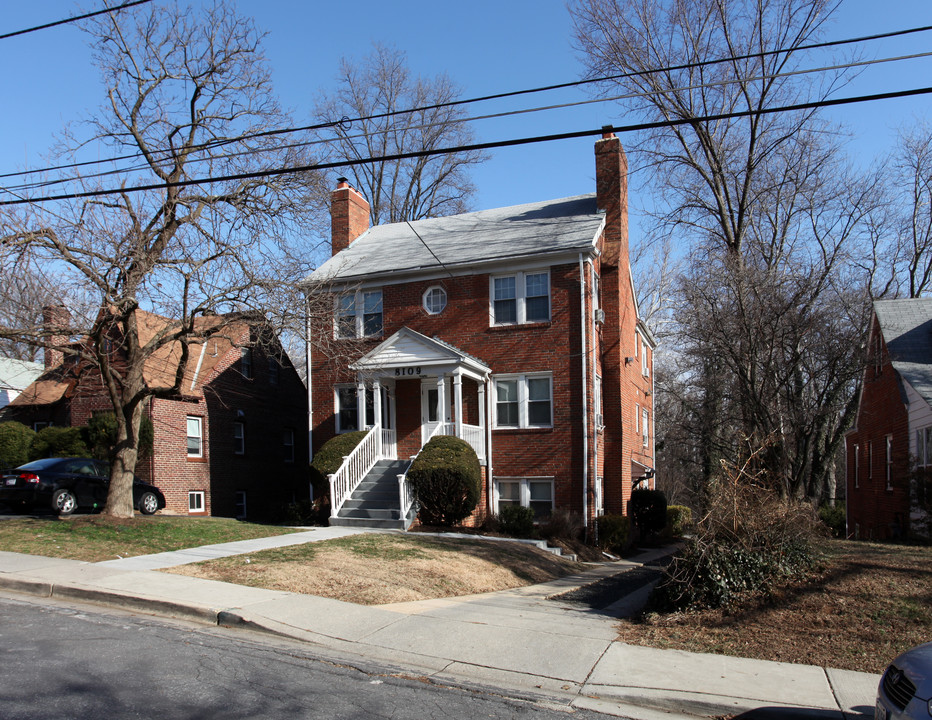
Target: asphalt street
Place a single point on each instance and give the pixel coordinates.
(64, 660)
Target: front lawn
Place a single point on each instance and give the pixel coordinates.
(95, 537)
(866, 604)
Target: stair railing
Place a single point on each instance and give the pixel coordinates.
(406, 496)
(354, 468)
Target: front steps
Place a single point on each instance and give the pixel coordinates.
(375, 502)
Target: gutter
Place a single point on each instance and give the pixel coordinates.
(585, 410)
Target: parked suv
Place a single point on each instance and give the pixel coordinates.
(66, 484)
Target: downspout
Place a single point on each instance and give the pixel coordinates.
(488, 446)
(310, 394)
(585, 409)
(595, 427)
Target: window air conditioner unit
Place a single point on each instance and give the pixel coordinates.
(599, 316)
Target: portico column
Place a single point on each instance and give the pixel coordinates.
(361, 402)
(441, 399)
(458, 398)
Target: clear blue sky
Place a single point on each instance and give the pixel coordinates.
(486, 46)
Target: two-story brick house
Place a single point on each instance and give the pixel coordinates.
(232, 442)
(891, 443)
(516, 329)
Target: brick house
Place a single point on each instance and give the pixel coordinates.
(516, 329)
(892, 437)
(232, 443)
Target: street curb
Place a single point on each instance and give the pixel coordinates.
(27, 587)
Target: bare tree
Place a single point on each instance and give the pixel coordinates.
(366, 109)
(189, 94)
(769, 314)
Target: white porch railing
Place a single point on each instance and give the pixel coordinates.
(406, 495)
(389, 444)
(473, 434)
(354, 468)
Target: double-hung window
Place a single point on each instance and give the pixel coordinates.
(524, 401)
(347, 409)
(889, 462)
(195, 434)
(521, 298)
(856, 456)
(534, 493)
(359, 314)
(239, 438)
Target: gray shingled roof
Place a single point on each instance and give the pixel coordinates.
(907, 330)
(565, 225)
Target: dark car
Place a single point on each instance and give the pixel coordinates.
(66, 484)
(905, 690)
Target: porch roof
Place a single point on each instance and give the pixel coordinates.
(408, 350)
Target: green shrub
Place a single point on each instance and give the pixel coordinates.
(834, 519)
(561, 524)
(328, 459)
(447, 481)
(516, 521)
(679, 520)
(649, 510)
(58, 442)
(100, 435)
(15, 442)
(613, 532)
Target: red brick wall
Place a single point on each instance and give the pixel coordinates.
(874, 512)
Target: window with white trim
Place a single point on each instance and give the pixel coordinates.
(645, 426)
(524, 401)
(275, 371)
(857, 464)
(435, 300)
(347, 409)
(597, 402)
(239, 438)
(196, 501)
(645, 361)
(924, 447)
(637, 418)
(359, 314)
(534, 493)
(520, 298)
(245, 362)
(195, 436)
(889, 462)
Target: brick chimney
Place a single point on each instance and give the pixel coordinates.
(349, 215)
(611, 182)
(55, 321)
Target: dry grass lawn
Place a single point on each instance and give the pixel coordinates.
(378, 569)
(865, 605)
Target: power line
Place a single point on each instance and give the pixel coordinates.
(482, 146)
(474, 118)
(514, 93)
(75, 18)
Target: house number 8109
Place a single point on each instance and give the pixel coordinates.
(408, 371)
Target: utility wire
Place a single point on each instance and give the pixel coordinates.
(475, 118)
(481, 146)
(514, 93)
(74, 19)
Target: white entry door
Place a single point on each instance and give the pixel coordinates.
(431, 415)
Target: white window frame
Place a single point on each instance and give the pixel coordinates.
(645, 365)
(645, 426)
(523, 400)
(245, 362)
(199, 435)
(370, 407)
(429, 295)
(889, 461)
(597, 402)
(857, 465)
(197, 501)
(359, 313)
(637, 418)
(239, 437)
(520, 297)
(524, 484)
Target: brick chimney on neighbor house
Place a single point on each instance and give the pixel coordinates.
(611, 183)
(349, 215)
(55, 321)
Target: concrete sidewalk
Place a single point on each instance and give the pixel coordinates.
(515, 640)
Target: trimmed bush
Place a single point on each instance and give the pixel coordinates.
(613, 531)
(561, 525)
(649, 511)
(101, 435)
(15, 442)
(834, 519)
(447, 480)
(516, 521)
(328, 459)
(679, 520)
(58, 442)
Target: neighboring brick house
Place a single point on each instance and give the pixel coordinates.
(232, 443)
(516, 329)
(892, 438)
